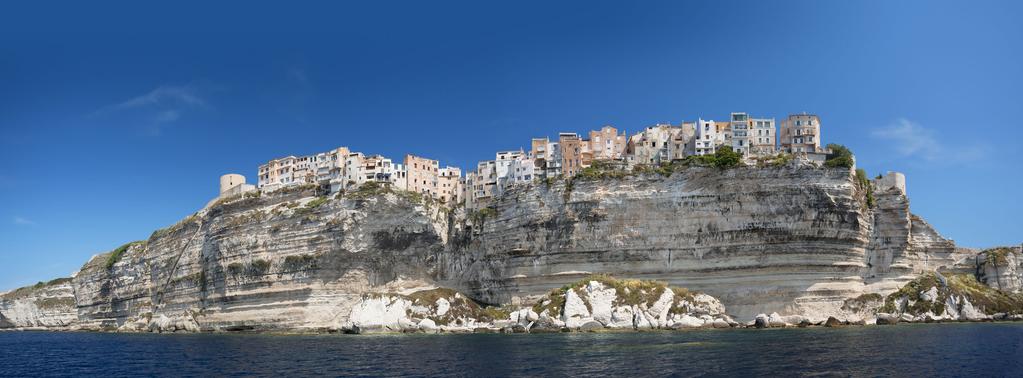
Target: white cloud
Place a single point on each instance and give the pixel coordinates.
(163, 105)
(910, 139)
(23, 221)
(162, 96)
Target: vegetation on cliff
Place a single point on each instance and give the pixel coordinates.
(919, 298)
(29, 290)
(840, 156)
(118, 253)
(629, 292)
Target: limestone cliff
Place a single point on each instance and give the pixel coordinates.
(796, 240)
(44, 305)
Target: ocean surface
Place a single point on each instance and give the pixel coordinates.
(962, 350)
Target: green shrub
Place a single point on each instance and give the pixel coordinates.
(480, 216)
(319, 201)
(299, 262)
(235, 268)
(864, 184)
(601, 170)
(311, 205)
(725, 157)
(259, 267)
(369, 189)
(840, 156)
(118, 253)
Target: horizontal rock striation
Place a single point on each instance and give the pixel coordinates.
(45, 305)
(798, 241)
(794, 239)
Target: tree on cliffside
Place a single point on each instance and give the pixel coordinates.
(725, 157)
(840, 156)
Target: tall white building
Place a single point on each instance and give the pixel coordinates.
(708, 136)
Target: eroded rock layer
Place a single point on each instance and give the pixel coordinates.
(798, 240)
(794, 240)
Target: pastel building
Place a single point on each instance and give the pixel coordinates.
(654, 145)
(684, 141)
(449, 185)
(762, 139)
(800, 133)
(546, 157)
(323, 168)
(575, 154)
(607, 144)
(422, 174)
(751, 136)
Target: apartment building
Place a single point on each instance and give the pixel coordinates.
(449, 185)
(546, 157)
(320, 168)
(683, 142)
(800, 133)
(708, 136)
(484, 182)
(422, 174)
(739, 125)
(575, 154)
(513, 167)
(762, 139)
(607, 144)
(655, 145)
(751, 136)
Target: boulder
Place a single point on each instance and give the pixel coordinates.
(761, 321)
(575, 312)
(590, 326)
(720, 323)
(887, 319)
(428, 325)
(621, 317)
(687, 321)
(832, 322)
(443, 306)
(970, 313)
(775, 320)
(600, 299)
(532, 315)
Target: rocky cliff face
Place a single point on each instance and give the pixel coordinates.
(793, 240)
(45, 305)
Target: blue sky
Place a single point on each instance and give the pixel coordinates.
(117, 119)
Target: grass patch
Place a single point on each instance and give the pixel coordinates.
(862, 302)
(461, 307)
(997, 256)
(118, 253)
(628, 292)
(983, 297)
(368, 190)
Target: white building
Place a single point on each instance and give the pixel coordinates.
(752, 136)
(709, 135)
